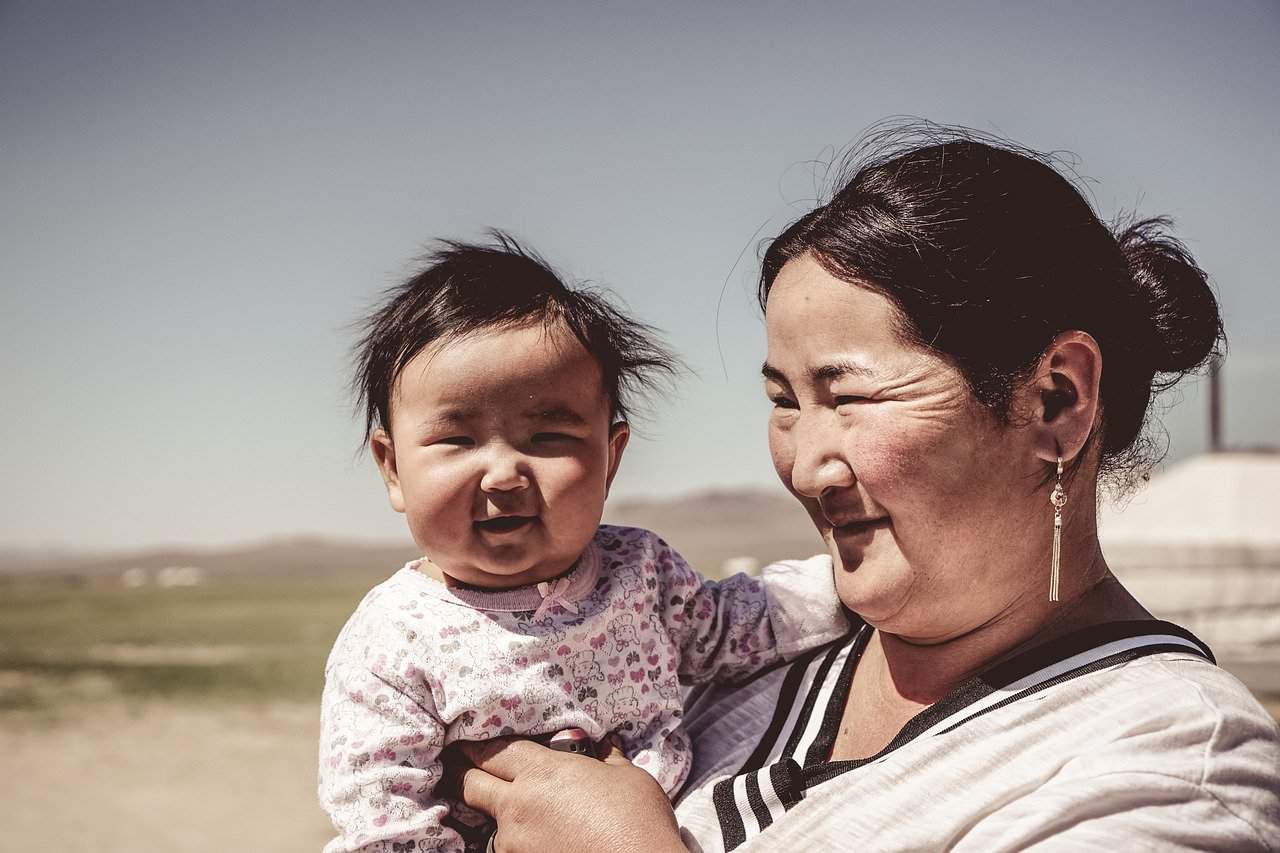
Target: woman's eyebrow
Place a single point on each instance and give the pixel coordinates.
(821, 373)
(768, 371)
(839, 370)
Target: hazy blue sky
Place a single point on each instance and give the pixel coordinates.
(197, 198)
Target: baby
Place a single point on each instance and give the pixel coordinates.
(496, 401)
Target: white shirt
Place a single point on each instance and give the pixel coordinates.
(1121, 737)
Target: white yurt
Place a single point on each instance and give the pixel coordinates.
(1199, 545)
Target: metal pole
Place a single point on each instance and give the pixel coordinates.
(1215, 406)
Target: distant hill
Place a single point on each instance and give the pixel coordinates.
(282, 558)
(708, 528)
(711, 527)
(32, 559)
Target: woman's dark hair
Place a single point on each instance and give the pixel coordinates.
(988, 253)
(468, 287)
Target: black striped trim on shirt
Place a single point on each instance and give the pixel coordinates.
(792, 754)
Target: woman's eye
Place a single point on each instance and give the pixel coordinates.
(849, 399)
(457, 441)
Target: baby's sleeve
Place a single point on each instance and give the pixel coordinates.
(730, 628)
(804, 608)
(380, 744)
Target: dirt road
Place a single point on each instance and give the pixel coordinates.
(162, 777)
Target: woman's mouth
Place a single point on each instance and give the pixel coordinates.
(505, 524)
(859, 527)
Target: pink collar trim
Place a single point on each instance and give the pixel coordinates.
(560, 593)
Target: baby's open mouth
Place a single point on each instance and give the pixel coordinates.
(506, 523)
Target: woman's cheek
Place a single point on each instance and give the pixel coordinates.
(778, 451)
(781, 453)
(888, 461)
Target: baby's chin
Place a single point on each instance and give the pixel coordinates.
(500, 576)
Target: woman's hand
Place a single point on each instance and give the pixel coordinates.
(546, 801)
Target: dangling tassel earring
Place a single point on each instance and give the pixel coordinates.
(1059, 499)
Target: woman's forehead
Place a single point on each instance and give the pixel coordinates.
(827, 327)
(805, 290)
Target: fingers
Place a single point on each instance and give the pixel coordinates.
(611, 751)
(482, 791)
(506, 758)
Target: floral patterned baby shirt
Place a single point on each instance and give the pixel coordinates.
(604, 648)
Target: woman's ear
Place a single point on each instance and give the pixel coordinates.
(1062, 395)
(384, 453)
(619, 434)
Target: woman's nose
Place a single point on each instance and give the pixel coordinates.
(819, 463)
(505, 471)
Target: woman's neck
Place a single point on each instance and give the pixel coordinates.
(896, 677)
(924, 672)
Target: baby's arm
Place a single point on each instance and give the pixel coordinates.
(380, 744)
(730, 628)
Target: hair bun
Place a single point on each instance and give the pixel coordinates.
(1184, 315)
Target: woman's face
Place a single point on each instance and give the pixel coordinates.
(923, 498)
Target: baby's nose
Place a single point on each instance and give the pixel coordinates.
(505, 472)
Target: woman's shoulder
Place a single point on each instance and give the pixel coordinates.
(1166, 746)
(1180, 715)
(1141, 696)
(1176, 686)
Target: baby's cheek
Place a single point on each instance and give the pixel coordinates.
(573, 474)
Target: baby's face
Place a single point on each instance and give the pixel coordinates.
(501, 454)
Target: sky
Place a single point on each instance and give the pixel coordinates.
(198, 199)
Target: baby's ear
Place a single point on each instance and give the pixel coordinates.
(384, 453)
(619, 434)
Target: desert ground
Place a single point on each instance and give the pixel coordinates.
(162, 776)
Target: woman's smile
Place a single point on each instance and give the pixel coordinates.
(859, 527)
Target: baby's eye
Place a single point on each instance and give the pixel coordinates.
(541, 437)
(457, 440)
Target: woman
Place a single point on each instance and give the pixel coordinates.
(959, 352)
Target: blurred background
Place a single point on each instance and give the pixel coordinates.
(197, 201)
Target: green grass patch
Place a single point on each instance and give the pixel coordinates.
(238, 640)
